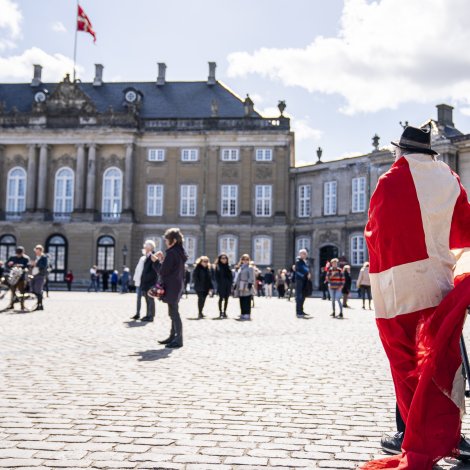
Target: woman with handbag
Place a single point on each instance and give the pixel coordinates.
(243, 286)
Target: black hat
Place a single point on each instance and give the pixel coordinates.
(19, 249)
(416, 139)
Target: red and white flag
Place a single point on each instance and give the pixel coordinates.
(84, 23)
(418, 236)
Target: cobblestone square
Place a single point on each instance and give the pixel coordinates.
(83, 386)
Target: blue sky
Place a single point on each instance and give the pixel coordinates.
(347, 69)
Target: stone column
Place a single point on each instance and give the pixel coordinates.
(128, 178)
(31, 188)
(80, 178)
(91, 178)
(42, 178)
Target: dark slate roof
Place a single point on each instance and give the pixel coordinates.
(172, 100)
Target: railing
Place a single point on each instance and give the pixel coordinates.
(14, 216)
(61, 216)
(110, 216)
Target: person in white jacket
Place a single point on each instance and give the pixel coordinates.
(137, 278)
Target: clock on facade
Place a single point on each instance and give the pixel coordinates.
(131, 96)
(40, 97)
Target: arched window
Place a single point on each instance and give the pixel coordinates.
(358, 250)
(16, 191)
(112, 194)
(7, 247)
(63, 193)
(262, 250)
(229, 244)
(56, 249)
(105, 253)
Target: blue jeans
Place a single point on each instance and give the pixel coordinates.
(93, 285)
(336, 296)
(299, 296)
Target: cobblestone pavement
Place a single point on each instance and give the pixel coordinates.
(83, 387)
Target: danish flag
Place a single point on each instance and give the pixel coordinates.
(84, 23)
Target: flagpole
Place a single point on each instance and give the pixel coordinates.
(75, 43)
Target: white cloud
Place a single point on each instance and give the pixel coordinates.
(59, 27)
(386, 53)
(10, 24)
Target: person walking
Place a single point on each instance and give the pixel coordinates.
(125, 279)
(243, 286)
(69, 280)
(335, 279)
(346, 290)
(93, 279)
(363, 283)
(268, 283)
(302, 275)
(281, 283)
(137, 282)
(114, 280)
(149, 278)
(224, 278)
(202, 280)
(39, 273)
(172, 278)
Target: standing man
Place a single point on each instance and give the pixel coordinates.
(302, 274)
(419, 246)
(149, 278)
(39, 272)
(172, 278)
(19, 259)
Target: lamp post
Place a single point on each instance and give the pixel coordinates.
(125, 252)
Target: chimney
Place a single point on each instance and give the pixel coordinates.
(211, 78)
(98, 80)
(444, 115)
(36, 81)
(161, 73)
(248, 106)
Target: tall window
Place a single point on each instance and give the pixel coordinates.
(329, 198)
(105, 253)
(156, 155)
(264, 155)
(302, 243)
(158, 239)
(263, 200)
(16, 191)
(189, 155)
(56, 249)
(190, 247)
(112, 193)
(304, 204)
(358, 250)
(359, 194)
(155, 199)
(7, 247)
(229, 200)
(229, 155)
(262, 251)
(63, 193)
(188, 200)
(228, 244)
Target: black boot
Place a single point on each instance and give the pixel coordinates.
(167, 341)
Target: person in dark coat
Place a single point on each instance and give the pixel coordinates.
(224, 279)
(202, 280)
(149, 279)
(172, 278)
(347, 285)
(324, 285)
(114, 281)
(105, 279)
(39, 273)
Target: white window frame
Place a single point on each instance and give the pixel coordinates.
(263, 200)
(64, 191)
(155, 199)
(16, 190)
(330, 197)
(157, 239)
(111, 204)
(358, 250)
(156, 154)
(263, 154)
(229, 200)
(263, 258)
(229, 154)
(303, 242)
(190, 245)
(228, 244)
(304, 198)
(190, 155)
(358, 196)
(188, 201)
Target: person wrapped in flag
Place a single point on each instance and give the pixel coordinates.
(418, 237)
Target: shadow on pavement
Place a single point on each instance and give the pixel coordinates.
(133, 323)
(153, 354)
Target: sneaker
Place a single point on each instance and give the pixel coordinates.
(392, 444)
(135, 317)
(333, 314)
(340, 316)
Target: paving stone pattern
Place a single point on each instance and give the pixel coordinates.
(82, 386)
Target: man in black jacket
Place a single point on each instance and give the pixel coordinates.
(39, 272)
(149, 279)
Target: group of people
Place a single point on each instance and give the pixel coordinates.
(106, 280)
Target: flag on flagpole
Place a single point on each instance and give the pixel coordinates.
(84, 23)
